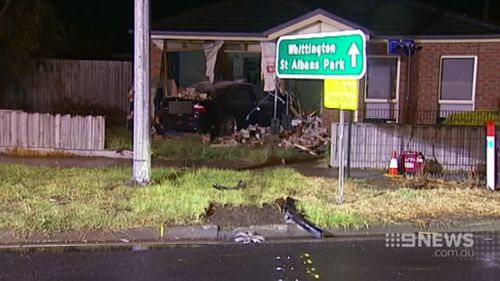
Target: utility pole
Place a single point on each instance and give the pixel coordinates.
(141, 169)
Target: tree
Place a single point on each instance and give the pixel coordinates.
(29, 29)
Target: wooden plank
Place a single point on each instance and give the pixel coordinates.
(14, 117)
(3, 128)
(65, 127)
(57, 131)
(102, 131)
(23, 132)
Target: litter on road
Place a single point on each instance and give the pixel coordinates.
(248, 237)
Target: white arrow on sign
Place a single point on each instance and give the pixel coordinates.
(354, 53)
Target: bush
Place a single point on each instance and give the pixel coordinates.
(475, 118)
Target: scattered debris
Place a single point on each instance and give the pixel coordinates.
(248, 237)
(253, 135)
(192, 94)
(418, 182)
(433, 167)
(59, 200)
(241, 184)
(307, 134)
(292, 215)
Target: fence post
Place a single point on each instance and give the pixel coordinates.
(333, 146)
(349, 139)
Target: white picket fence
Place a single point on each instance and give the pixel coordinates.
(36, 130)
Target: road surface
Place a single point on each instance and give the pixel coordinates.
(333, 260)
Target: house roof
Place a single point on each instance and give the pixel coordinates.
(382, 18)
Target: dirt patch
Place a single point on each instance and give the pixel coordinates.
(383, 183)
(232, 216)
(194, 164)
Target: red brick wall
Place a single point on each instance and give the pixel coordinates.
(488, 75)
(426, 75)
(427, 71)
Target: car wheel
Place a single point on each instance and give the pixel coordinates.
(228, 126)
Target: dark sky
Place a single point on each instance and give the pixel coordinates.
(99, 28)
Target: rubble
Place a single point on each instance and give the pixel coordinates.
(307, 135)
(192, 94)
(253, 135)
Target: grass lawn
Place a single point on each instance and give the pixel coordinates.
(48, 199)
(192, 148)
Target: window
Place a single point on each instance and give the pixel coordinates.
(457, 84)
(458, 79)
(382, 78)
(381, 93)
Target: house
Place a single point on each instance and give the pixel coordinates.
(456, 66)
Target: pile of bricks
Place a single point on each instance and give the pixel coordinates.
(253, 135)
(192, 94)
(307, 135)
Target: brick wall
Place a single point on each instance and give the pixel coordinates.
(425, 76)
(488, 72)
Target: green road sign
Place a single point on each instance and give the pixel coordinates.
(322, 55)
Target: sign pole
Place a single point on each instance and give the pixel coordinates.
(340, 198)
(338, 58)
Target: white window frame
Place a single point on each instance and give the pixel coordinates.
(472, 101)
(398, 75)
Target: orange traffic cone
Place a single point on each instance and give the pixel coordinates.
(393, 166)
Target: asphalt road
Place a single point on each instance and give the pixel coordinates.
(334, 260)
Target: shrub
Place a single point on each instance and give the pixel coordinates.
(475, 118)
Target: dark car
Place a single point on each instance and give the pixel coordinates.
(233, 106)
(179, 114)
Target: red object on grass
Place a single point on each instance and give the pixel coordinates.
(413, 161)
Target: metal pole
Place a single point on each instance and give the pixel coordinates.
(275, 122)
(141, 169)
(276, 91)
(349, 139)
(408, 89)
(340, 198)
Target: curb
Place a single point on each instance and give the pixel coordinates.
(272, 231)
(214, 233)
(124, 154)
(200, 232)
